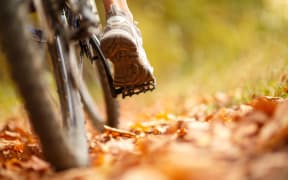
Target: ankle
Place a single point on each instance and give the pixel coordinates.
(125, 9)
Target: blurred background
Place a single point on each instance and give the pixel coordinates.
(197, 47)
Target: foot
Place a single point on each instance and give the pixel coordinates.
(121, 43)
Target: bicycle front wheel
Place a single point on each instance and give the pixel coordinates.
(28, 76)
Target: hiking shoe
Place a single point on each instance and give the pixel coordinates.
(121, 43)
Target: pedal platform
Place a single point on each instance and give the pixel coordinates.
(135, 89)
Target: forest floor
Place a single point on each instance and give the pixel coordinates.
(212, 139)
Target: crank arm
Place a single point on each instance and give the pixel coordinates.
(100, 56)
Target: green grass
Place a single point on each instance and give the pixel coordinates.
(9, 102)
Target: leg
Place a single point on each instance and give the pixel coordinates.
(120, 4)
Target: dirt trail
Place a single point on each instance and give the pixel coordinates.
(247, 141)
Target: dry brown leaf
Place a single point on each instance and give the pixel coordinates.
(113, 132)
(265, 104)
(275, 132)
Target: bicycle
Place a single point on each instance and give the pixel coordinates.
(67, 24)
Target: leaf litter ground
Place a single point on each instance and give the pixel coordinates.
(246, 141)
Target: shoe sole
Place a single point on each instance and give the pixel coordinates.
(119, 48)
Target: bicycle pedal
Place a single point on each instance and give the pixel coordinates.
(137, 89)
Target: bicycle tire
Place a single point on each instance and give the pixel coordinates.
(111, 103)
(28, 77)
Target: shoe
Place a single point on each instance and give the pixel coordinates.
(121, 43)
